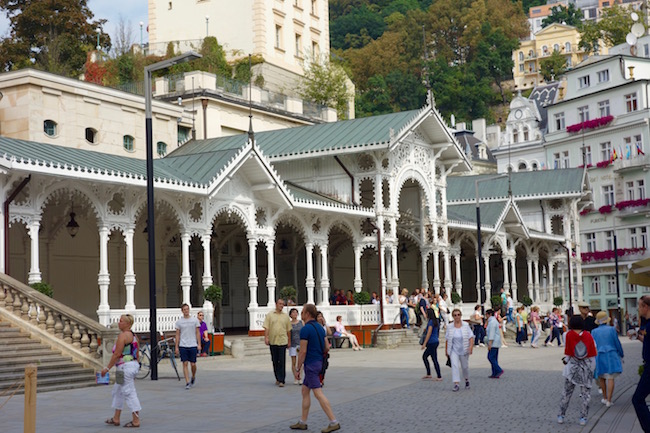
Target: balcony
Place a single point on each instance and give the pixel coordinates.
(639, 162)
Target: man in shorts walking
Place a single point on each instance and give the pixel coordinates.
(313, 344)
(188, 343)
(277, 335)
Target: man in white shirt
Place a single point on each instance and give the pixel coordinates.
(188, 343)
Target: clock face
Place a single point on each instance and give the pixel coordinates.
(518, 114)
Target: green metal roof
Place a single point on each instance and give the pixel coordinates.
(302, 140)
(466, 213)
(198, 169)
(527, 184)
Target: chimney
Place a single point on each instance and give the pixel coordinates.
(479, 128)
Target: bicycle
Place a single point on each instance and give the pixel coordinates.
(164, 350)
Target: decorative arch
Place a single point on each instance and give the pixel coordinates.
(417, 176)
(57, 190)
(232, 209)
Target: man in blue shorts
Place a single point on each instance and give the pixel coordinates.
(313, 344)
(188, 343)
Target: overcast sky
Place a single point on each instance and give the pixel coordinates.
(132, 10)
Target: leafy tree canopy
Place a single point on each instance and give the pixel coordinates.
(612, 29)
(570, 16)
(553, 66)
(51, 35)
(326, 83)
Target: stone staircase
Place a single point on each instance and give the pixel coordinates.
(253, 346)
(55, 370)
(410, 337)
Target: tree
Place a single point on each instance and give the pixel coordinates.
(553, 66)
(570, 16)
(494, 57)
(326, 83)
(359, 20)
(612, 29)
(124, 37)
(51, 35)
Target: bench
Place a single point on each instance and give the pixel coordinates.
(337, 342)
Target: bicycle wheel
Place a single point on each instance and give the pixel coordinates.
(145, 365)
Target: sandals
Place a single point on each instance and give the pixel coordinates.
(112, 422)
(131, 425)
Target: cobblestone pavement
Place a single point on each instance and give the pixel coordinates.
(371, 391)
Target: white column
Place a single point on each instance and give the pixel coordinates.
(34, 269)
(488, 285)
(551, 281)
(324, 282)
(478, 278)
(270, 276)
(447, 267)
(458, 284)
(424, 257)
(252, 271)
(358, 283)
(129, 273)
(393, 256)
(436, 272)
(513, 282)
(536, 277)
(206, 281)
(506, 273)
(186, 277)
(103, 278)
(309, 280)
(529, 263)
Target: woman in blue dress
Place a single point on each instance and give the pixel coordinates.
(610, 355)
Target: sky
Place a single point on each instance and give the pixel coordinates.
(132, 10)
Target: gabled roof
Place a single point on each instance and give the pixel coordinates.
(525, 185)
(300, 141)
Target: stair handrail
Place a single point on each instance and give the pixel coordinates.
(55, 323)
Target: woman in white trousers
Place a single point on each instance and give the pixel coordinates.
(459, 345)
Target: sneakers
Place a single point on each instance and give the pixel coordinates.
(603, 400)
(481, 345)
(281, 384)
(456, 388)
(560, 419)
(188, 386)
(331, 427)
(298, 426)
(296, 382)
(467, 384)
(192, 382)
(498, 375)
(583, 421)
(609, 404)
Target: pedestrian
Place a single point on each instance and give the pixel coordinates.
(313, 347)
(203, 331)
(510, 304)
(587, 316)
(494, 343)
(534, 326)
(296, 326)
(643, 388)
(404, 308)
(277, 335)
(459, 344)
(555, 322)
(519, 321)
(524, 316)
(125, 360)
(476, 319)
(610, 356)
(579, 354)
(430, 345)
(188, 343)
(444, 309)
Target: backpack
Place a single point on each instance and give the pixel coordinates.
(580, 351)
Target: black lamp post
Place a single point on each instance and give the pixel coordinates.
(153, 331)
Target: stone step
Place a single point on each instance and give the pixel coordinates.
(59, 362)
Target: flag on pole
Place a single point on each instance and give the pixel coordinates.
(638, 150)
(629, 151)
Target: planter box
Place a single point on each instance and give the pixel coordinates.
(216, 343)
(364, 336)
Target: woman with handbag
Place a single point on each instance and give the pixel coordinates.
(430, 344)
(609, 362)
(125, 360)
(459, 345)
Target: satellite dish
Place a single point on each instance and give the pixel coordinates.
(634, 16)
(638, 30)
(631, 39)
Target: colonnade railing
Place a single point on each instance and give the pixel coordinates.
(56, 324)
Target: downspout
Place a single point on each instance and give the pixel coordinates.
(6, 214)
(543, 217)
(336, 158)
(204, 102)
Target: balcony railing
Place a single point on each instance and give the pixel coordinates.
(639, 161)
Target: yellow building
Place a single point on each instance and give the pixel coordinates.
(527, 58)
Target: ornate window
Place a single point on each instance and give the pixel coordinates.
(50, 128)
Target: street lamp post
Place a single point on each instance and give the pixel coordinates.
(148, 70)
(141, 44)
(207, 20)
(481, 270)
(618, 288)
(568, 262)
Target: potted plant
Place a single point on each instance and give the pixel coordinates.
(557, 301)
(496, 302)
(455, 298)
(526, 301)
(362, 298)
(288, 293)
(363, 335)
(214, 294)
(44, 288)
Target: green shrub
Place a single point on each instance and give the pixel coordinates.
(288, 292)
(526, 301)
(213, 294)
(455, 298)
(557, 301)
(44, 288)
(362, 298)
(496, 302)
